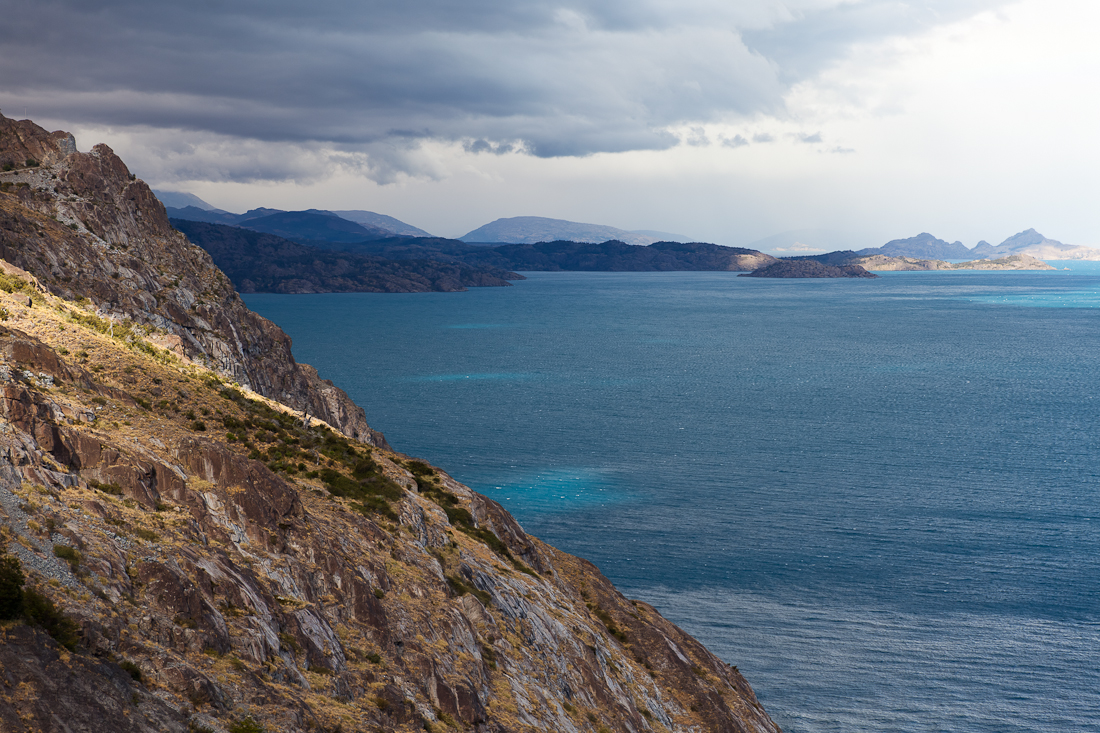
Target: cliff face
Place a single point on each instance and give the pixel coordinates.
(85, 227)
(230, 564)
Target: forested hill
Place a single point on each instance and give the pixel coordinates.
(611, 256)
(264, 263)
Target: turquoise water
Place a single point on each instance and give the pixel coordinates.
(878, 498)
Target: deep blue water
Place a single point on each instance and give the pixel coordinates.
(880, 499)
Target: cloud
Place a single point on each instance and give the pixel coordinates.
(370, 81)
(763, 137)
(804, 138)
(736, 141)
(697, 137)
(799, 247)
(484, 146)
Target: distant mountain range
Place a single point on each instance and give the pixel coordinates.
(533, 229)
(924, 246)
(310, 225)
(1031, 242)
(927, 247)
(353, 230)
(381, 221)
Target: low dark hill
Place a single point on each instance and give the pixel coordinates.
(808, 268)
(836, 259)
(264, 263)
(611, 256)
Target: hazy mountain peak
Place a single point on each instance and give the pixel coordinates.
(182, 199)
(924, 245)
(258, 212)
(534, 229)
(381, 221)
(1027, 238)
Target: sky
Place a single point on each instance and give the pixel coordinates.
(723, 120)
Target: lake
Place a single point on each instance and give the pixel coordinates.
(879, 498)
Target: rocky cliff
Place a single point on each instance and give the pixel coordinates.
(195, 556)
(86, 228)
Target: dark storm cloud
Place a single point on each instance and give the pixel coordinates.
(376, 78)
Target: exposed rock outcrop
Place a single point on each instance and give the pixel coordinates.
(86, 228)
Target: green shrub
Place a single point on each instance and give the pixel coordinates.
(68, 554)
(461, 587)
(11, 587)
(369, 488)
(40, 611)
(288, 642)
(245, 725)
(11, 284)
(113, 489)
(132, 669)
(146, 534)
(427, 482)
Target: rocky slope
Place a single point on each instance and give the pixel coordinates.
(234, 565)
(86, 228)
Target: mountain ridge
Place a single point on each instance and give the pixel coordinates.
(360, 223)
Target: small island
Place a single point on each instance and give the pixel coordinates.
(808, 268)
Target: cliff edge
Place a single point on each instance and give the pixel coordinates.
(85, 227)
(179, 553)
